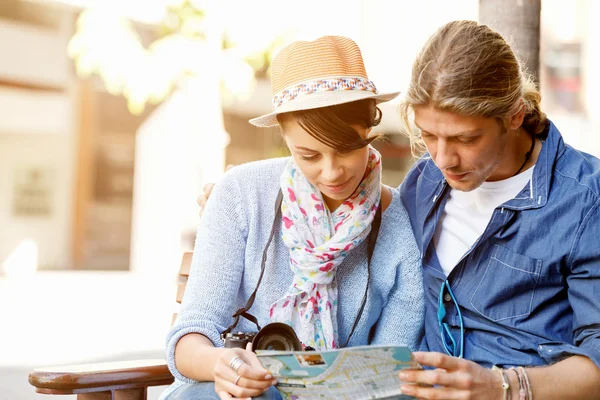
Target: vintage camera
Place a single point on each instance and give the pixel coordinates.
(274, 336)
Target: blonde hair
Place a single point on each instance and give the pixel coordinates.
(469, 69)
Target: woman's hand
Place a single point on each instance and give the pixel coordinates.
(253, 378)
(453, 378)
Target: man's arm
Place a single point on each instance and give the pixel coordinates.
(574, 378)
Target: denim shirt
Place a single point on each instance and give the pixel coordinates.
(529, 287)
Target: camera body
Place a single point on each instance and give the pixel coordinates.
(238, 339)
(274, 336)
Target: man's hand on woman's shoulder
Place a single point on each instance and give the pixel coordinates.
(206, 191)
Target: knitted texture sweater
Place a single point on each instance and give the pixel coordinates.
(233, 232)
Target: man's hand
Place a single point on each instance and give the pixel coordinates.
(453, 378)
(203, 198)
(206, 190)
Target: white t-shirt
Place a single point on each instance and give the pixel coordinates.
(467, 214)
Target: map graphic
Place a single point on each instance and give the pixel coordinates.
(353, 373)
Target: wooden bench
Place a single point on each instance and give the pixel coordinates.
(124, 380)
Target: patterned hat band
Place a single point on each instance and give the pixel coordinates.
(323, 85)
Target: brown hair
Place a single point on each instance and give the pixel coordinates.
(332, 125)
(469, 69)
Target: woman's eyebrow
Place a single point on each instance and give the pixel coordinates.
(304, 148)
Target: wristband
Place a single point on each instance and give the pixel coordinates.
(527, 384)
(505, 384)
(522, 385)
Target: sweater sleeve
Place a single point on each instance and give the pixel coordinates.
(401, 321)
(216, 270)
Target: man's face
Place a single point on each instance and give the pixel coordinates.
(468, 150)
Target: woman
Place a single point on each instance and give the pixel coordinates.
(318, 273)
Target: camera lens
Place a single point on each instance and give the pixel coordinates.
(274, 342)
(276, 336)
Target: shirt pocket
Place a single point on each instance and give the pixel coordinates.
(507, 287)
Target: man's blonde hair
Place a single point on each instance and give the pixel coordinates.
(469, 69)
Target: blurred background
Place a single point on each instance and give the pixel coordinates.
(113, 114)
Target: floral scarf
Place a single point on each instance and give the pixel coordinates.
(318, 241)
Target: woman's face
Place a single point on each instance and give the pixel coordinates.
(336, 174)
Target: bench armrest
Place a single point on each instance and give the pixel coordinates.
(87, 378)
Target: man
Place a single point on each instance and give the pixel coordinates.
(507, 218)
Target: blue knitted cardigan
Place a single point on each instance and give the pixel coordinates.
(233, 231)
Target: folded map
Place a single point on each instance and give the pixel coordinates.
(363, 372)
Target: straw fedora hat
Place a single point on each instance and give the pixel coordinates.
(324, 72)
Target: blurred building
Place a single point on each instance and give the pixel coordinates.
(569, 58)
(70, 151)
(93, 196)
(73, 157)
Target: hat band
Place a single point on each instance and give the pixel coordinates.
(323, 85)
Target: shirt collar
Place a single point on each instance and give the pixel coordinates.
(535, 195)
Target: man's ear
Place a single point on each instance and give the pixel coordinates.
(515, 122)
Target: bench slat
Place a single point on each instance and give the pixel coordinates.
(186, 263)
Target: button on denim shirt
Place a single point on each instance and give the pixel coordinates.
(529, 288)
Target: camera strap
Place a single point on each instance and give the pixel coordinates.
(243, 312)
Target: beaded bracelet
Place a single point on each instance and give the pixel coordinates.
(526, 379)
(524, 386)
(505, 384)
